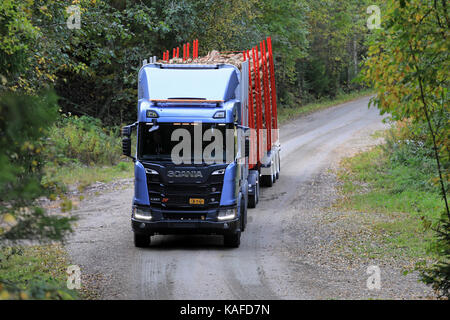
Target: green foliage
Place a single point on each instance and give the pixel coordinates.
(391, 187)
(16, 33)
(36, 272)
(408, 64)
(83, 140)
(337, 31)
(285, 21)
(23, 123)
(399, 178)
(439, 275)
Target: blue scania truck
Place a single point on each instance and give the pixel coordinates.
(181, 184)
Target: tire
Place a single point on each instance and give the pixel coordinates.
(141, 240)
(232, 240)
(243, 218)
(267, 180)
(252, 200)
(279, 168)
(257, 192)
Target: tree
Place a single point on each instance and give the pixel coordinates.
(408, 65)
(337, 30)
(23, 124)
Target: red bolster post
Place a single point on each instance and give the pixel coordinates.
(273, 88)
(267, 98)
(194, 53)
(251, 113)
(196, 48)
(250, 93)
(258, 103)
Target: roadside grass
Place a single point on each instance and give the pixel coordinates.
(81, 151)
(83, 175)
(393, 199)
(36, 272)
(286, 114)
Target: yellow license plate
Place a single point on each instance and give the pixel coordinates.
(196, 201)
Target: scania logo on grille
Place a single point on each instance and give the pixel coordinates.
(184, 174)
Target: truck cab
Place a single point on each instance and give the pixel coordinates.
(191, 159)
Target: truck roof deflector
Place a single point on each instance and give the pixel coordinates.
(185, 101)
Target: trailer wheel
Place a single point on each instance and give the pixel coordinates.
(232, 240)
(267, 180)
(257, 192)
(277, 176)
(252, 200)
(141, 240)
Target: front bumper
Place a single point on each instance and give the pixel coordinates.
(164, 226)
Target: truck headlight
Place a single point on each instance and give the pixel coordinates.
(141, 214)
(217, 172)
(151, 171)
(226, 214)
(219, 115)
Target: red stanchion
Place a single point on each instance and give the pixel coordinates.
(273, 88)
(268, 113)
(259, 126)
(251, 122)
(251, 113)
(187, 50)
(184, 52)
(178, 52)
(194, 45)
(196, 48)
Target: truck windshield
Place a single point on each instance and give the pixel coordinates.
(162, 141)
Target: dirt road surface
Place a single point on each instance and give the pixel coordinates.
(281, 256)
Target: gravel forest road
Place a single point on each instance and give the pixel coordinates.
(280, 256)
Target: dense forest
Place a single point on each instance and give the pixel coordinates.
(318, 46)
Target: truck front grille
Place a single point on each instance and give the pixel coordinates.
(171, 196)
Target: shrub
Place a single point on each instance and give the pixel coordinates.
(83, 140)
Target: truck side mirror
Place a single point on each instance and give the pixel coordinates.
(126, 140)
(126, 146)
(247, 147)
(126, 131)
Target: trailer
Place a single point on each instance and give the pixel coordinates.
(206, 139)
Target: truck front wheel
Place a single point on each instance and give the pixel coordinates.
(232, 240)
(141, 240)
(243, 217)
